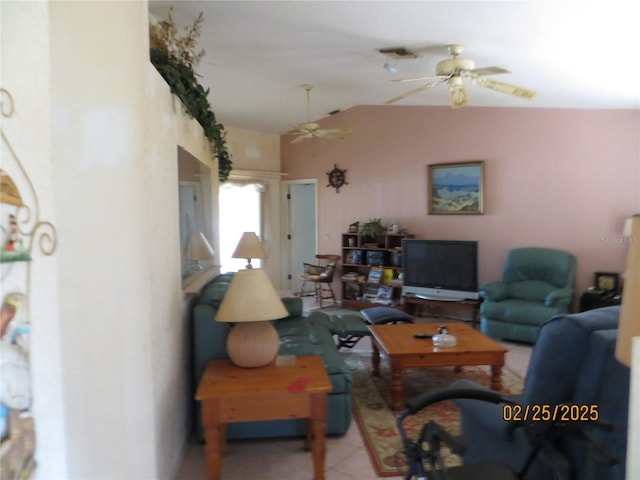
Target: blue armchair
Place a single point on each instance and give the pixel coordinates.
(537, 283)
(572, 362)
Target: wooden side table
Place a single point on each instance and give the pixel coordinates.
(591, 299)
(232, 394)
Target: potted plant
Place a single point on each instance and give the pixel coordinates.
(372, 230)
(175, 57)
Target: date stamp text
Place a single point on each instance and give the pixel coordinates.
(550, 413)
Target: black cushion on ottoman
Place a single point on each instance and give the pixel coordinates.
(380, 315)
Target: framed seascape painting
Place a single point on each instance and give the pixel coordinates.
(455, 188)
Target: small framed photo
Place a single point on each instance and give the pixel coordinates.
(375, 275)
(384, 295)
(455, 188)
(352, 291)
(348, 259)
(607, 282)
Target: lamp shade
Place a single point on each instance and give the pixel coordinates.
(250, 297)
(199, 248)
(629, 326)
(249, 301)
(249, 246)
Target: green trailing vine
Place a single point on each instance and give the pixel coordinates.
(177, 70)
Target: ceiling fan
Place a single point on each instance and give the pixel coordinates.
(311, 129)
(454, 70)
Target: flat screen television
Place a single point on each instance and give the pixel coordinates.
(440, 269)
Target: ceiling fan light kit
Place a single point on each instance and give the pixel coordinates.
(453, 70)
(391, 68)
(457, 92)
(393, 55)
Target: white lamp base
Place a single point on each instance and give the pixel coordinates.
(252, 344)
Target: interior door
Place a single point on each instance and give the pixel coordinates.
(301, 200)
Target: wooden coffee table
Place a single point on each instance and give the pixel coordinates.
(232, 394)
(397, 342)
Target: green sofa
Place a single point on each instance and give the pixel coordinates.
(299, 335)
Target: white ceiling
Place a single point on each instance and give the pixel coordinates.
(576, 54)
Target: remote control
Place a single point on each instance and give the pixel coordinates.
(423, 335)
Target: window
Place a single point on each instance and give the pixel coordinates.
(240, 211)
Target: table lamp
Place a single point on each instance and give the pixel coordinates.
(249, 247)
(251, 300)
(629, 326)
(199, 249)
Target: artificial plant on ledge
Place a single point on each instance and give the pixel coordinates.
(174, 57)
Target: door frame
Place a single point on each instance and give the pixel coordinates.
(284, 233)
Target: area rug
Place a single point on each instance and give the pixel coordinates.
(377, 422)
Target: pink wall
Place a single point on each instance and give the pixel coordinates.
(562, 179)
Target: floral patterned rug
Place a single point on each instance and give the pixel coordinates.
(372, 397)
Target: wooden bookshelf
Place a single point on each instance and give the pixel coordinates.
(359, 256)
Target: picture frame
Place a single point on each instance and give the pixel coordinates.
(369, 294)
(375, 275)
(455, 188)
(384, 295)
(607, 281)
(349, 258)
(352, 291)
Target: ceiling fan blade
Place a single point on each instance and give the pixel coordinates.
(303, 136)
(458, 95)
(334, 136)
(502, 87)
(489, 71)
(411, 92)
(413, 79)
(331, 131)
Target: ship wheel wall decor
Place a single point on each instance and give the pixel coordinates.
(336, 178)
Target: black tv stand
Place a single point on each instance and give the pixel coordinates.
(411, 304)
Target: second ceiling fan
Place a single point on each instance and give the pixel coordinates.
(454, 70)
(311, 129)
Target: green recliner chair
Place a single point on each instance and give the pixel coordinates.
(537, 283)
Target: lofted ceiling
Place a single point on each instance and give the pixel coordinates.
(576, 54)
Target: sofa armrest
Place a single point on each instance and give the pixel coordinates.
(320, 319)
(209, 339)
(293, 305)
(559, 298)
(494, 291)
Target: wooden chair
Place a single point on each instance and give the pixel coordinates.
(321, 275)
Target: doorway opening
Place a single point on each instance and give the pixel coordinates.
(301, 225)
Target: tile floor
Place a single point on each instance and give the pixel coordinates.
(285, 459)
